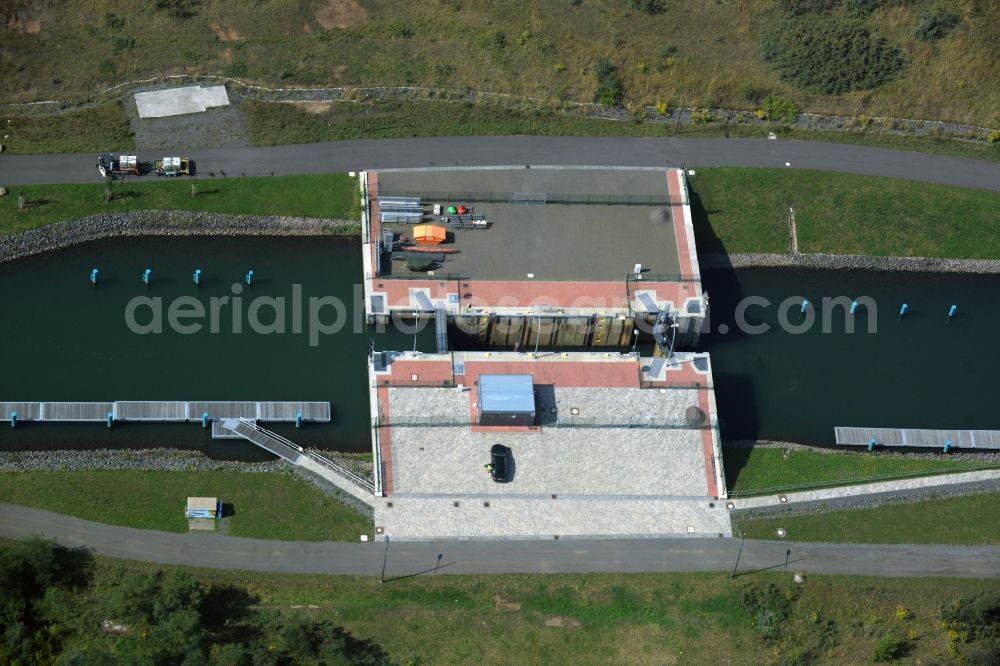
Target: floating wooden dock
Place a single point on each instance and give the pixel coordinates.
(912, 437)
(166, 411)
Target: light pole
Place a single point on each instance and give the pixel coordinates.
(635, 339)
(673, 337)
(385, 558)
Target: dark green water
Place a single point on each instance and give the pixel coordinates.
(920, 372)
(64, 339)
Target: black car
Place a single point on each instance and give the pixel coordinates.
(500, 459)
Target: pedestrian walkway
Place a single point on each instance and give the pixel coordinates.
(497, 557)
(923, 483)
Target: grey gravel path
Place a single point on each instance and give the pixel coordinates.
(462, 557)
(507, 150)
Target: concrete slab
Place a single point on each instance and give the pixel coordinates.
(180, 101)
(422, 518)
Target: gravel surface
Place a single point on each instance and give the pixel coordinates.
(715, 261)
(158, 223)
(137, 459)
(910, 454)
(217, 127)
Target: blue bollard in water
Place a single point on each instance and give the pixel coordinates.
(871, 444)
(947, 446)
(805, 305)
(13, 419)
(854, 307)
(902, 310)
(951, 311)
(298, 419)
(249, 278)
(197, 277)
(204, 419)
(111, 417)
(93, 276)
(147, 275)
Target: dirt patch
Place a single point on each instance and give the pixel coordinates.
(562, 621)
(227, 55)
(502, 604)
(223, 34)
(315, 108)
(341, 14)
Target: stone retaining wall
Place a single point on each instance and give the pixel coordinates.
(159, 223)
(847, 262)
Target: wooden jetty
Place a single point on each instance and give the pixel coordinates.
(917, 438)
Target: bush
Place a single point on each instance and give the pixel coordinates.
(400, 29)
(977, 613)
(768, 607)
(179, 9)
(236, 68)
(800, 7)
(867, 7)
(609, 85)
(887, 649)
(651, 7)
(933, 25)
(831, 56)
(781, 108)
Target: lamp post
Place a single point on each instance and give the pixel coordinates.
(385, 558)
(673, 338)
(635, 339)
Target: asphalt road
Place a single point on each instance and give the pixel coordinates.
(508, 150)
(407, 558)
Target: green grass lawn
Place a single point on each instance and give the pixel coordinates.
(332, 196)
(970, 520)
(756, 470)
(603, 618)
(266, 506)
(744, 210)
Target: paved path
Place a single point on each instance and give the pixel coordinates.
(506, 150)
(565, 556)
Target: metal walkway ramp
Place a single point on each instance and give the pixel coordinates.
(265, 439)
(441, 330)
(960, 439)
(339, 476)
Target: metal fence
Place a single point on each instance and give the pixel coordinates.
(547, 421)
(544, 198)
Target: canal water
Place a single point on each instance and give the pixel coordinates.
(922, 370)
(65, 339)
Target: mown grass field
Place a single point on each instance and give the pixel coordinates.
(265, 506)
(969, 520)
(744, 210)
(693, 54)
(689, 618)
(751, 470)
(330, 196)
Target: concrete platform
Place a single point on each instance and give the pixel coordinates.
(422, 518)
(180, 101)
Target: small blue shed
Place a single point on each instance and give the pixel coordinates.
(506, 400)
